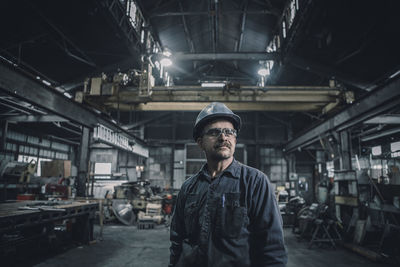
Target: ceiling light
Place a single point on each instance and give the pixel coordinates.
(166, 62)
(68, 95)
(212, 84)
(263, 72)
(167, 53)
(46, 82)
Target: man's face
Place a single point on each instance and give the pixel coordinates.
(220, 147)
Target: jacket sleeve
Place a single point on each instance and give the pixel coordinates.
(177, 230)
(266, 228)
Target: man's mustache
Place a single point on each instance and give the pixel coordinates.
(227, 144)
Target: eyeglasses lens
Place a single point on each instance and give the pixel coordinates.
(216, 132)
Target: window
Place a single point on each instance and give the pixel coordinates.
(27, 159)
(273, 164)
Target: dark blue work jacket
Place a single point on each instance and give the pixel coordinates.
(231, 220)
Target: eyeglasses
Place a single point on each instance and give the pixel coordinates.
(216, 132)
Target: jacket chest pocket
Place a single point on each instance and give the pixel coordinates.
(231, 217)
(191, 213)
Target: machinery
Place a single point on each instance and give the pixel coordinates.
(15, 178)
(130, 199)
(18, 172)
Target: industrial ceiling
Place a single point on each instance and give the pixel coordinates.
(321, 55)
(64, 42)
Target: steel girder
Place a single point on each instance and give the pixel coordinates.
(36, 118)
(20, 86)
(196, 106)
(375, 103)
(272, 98)
(226, 56)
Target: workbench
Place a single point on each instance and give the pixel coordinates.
(27, 220)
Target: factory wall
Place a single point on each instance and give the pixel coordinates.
(25, 147)
(260, 145)
(159, 166)
(123, 163)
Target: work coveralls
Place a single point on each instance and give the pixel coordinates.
(231, 220)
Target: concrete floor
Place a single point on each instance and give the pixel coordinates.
(128, 246)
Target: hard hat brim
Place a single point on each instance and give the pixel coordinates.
(233, 118)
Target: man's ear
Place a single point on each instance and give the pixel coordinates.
(199, 142)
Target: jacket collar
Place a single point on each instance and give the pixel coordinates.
(233, 170)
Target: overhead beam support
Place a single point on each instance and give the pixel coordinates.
(380, 134)
(186, 29)
(83, 57)
(10, 103)
(226, 56)
(37, 118)
(375, 103)
(246, 96)
(206, 13)
(242, 26)
(385, 119)
(211, 22)
(293, 35)
(196, 106)
(216, 24)
(144, 122)
(20, 86)
(271, 98)
(327, 72)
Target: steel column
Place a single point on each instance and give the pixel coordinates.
(83, 162)
(256, 138)
(345, 150)
(4, 130)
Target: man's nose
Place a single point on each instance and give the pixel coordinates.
(222, 136)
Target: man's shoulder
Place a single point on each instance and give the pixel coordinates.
(251, 175)
(251, 171)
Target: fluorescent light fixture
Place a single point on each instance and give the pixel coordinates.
(263, 72)
(166, 62)
(212, 84)
(67, 95)
(46, 82)
(376, 150)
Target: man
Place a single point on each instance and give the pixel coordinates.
(226, 214)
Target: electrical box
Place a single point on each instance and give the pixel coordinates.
(95, 87)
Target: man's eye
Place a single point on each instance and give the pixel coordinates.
(214, 132)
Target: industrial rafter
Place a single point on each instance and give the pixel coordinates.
(187, 33)
(375, 103)
(207, 13)
(242, 27)
(22, 87)
(226, 56)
